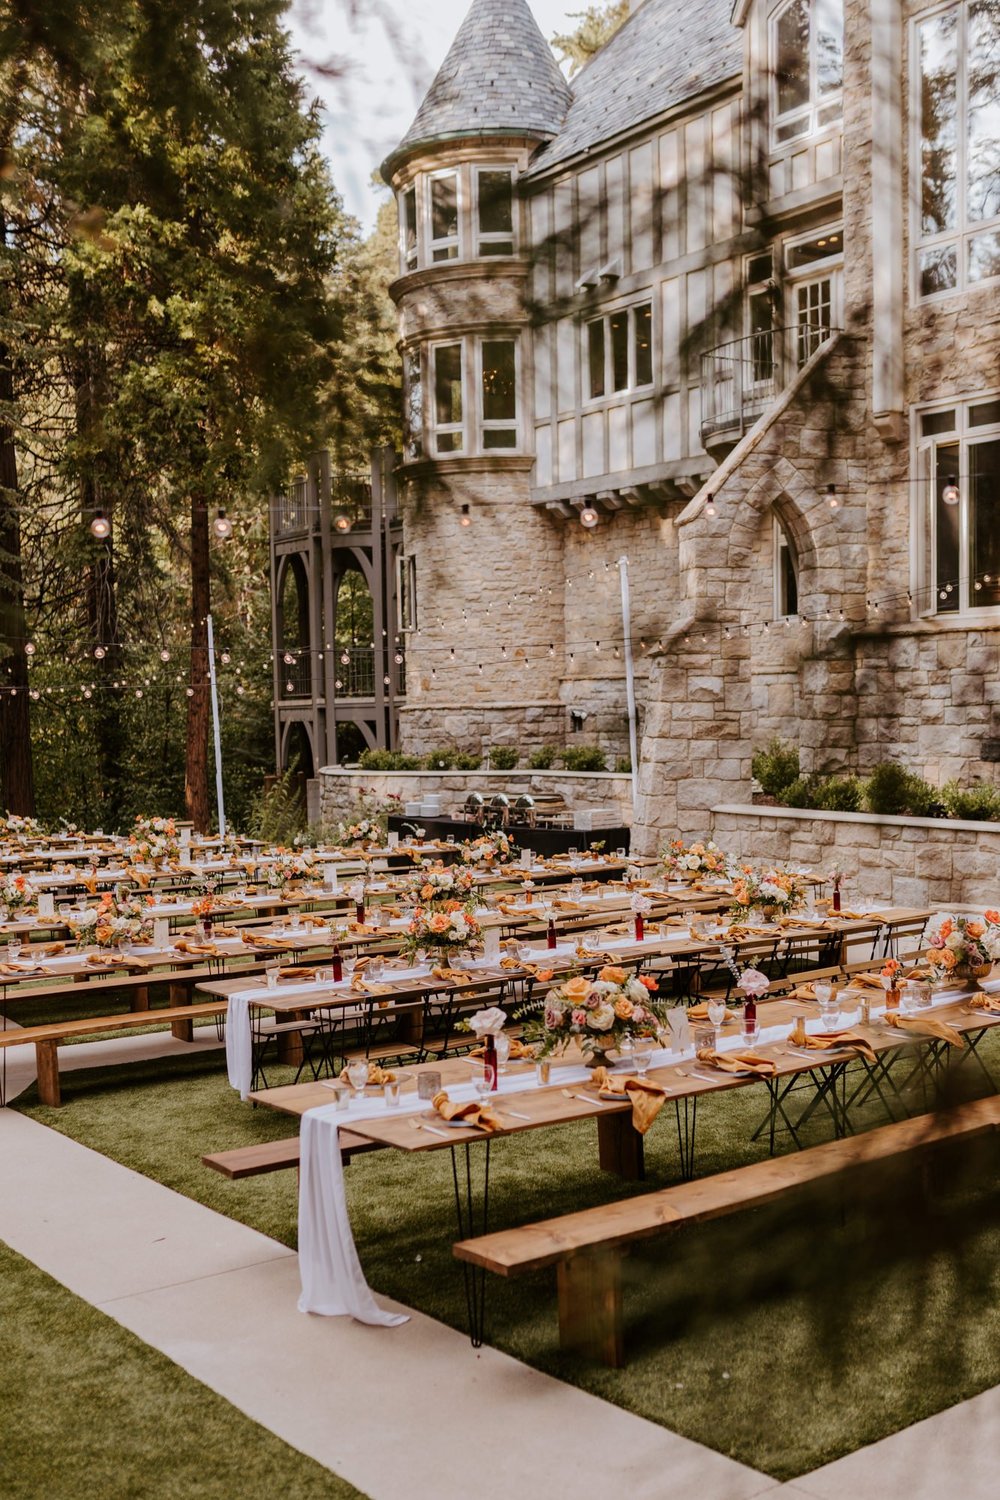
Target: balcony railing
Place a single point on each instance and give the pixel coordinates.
(356, 677)
(740, 379)
(293, 508)
(350, 504)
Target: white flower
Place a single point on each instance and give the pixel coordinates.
(692, 862)
(753, 982)
(602, 1018)
(488, 1022)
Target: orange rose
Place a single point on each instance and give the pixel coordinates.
(649, 983)
(993, 917)
(613, 975)
(974, 929)
(575, 989)
(426, 892)
(942, 958)
(439, 922)
(623, 1009)
(947, 927)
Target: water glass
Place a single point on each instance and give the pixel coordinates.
(391, 1094)
(543, 1072)
(829, 1010)
(717, 1015)
(13, 949)
(357, 1072)
(271, 975)
(642, 1055)
(428, 1083)
(483, 1078)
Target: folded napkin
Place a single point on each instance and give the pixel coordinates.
(362, 986)
(739, 1062)
(297, 974)
(137, 875)
(9, 971)
(379, 1076)
(441, 971)
(989, 1003)
(264, 944)
(647, 1098)
(802, 992)
(224, 932)
(831, 1041)
(619, 929)
(700, 1013)
(567, 906)
(52, 950)
(519, 966)
(186, 945)
(102, 961)
(362, 927)
(518, 1049)
(867, 982)
(820, 922)
(925, 1026)
(311, 921)
(591, 885)
(472, 1113)
(851, 916)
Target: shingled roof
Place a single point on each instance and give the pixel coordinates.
(666, 52)
(499, 78)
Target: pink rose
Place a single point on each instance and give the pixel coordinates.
(579, 1017)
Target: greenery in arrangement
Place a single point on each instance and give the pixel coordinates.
(504, 757)
(149, 1426)
(913, 1328)
(584, 758)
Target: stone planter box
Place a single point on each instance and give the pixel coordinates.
(938, 862)
(604, 791)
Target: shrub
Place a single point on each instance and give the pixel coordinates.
(584, 758)
(388, 760)
(439, 760)
(623, 765)
(466, 761)
(504, 757)
(892, 789)
(798, 793)
(776, 767)
(838, 794)
(978, 803)
(278, 813)
(542, 758)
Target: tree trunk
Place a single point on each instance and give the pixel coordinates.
(196, 769)
(17, 781)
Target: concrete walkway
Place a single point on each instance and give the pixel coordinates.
(220, 1300)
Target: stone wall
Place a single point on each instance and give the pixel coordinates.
(909, 861)
(579, 789)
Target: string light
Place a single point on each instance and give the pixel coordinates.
(100, 526)
(950, 494)
(710, 506)
(222, 526)
(589, 517)
(831, 494)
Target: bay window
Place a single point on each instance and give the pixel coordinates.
(475, 396)
(807, 68)
(498, 365)
(495, 211)
(444, 216)
(956, 107)
(448, 404)
(959, 464)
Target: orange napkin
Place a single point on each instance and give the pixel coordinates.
(867, 982)
(264, 944)
(700, 1013)
(449, 976)
(989, 1003)
(225, 932)
(852, 916)
(10, 972)
(295, 975)
(186, 945)
(739, 1062)
(802, 992)
(830, 1041)
(52, 950)
(472, 1113)
(362, 986)
(925, 1026)
(518, 1049)
(647, 1098)
(102, 961)
(378, 1076)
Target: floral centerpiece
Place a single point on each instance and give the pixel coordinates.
(284, 870)
(445, 930)
(597, 1014)
(436, 886)
(494, 848)
(362, 834)
(370, 818)
(964, 949)
(117, 919)
(771, 892)
(15, 826)
(154, 839)
(15, 893)
(687, 861)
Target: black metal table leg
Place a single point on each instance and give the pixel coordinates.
(470, 1223)
(686, 1126)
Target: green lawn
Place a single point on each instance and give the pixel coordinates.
(89, 1409)
(783, 1338)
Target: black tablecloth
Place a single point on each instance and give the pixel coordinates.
(541, 840)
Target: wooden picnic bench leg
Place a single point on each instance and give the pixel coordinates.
(291, 1048)
(180, 994)
(47, 1070)
(140, 998)
(619, 1146)
(590, 1306)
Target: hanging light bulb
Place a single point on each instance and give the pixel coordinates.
(164, 654)
(240, 689)
(288, 659)
(29, 648)
(100, 653)
(222, 526)
(100, 526)
(465, 519)
(189, 691)
(225, 658)
(138, 692)
(345, 658)
(950, 494)
(387, 680)
(35, 694)
(589, 517)
(342, 523)
(87, 693)
(398, 658)
(289, 687)
(710, 506)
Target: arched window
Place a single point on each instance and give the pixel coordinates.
(807, 66)
(786, 574)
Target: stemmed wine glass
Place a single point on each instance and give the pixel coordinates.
(482, 1079)
(357, 1074)
(642, 1055)
(717, 1015)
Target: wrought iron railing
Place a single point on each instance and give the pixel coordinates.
(740, 379)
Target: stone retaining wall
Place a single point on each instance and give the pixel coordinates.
(911, 861)
(579, 789)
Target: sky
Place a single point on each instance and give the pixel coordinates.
(370, 62)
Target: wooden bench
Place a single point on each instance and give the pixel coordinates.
(45, 1039)
(276, 1156)
(587, 1247)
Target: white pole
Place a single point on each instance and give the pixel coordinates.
(633, 733)
(215, 728)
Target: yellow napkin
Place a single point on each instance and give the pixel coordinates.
(739, 1062)
(471, 1113)
(700, 1013)
(10, 972)
(989, 1003)
(926, 1026)
(567, 906)
(52, 950)
(820, 922)
(830, 1041)
(867, 982)
(295, 975)
(802, 992)
(377, 1076)
(186, 945)
(647, 1098)
(362, 986)
(441, 971)
(264, 944)
(535, 970)
(851, 916)
(226, 932)
(518, 1049)
(102, 961)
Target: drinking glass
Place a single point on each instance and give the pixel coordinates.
(829, 1009)
(620, 853)
(717, 1015)
(391, 1094)
(271, 973)
(357, 1073)
(428, 1083)
(375, 970)
(573, 853)
(576, 887)
(482, 1079)
(642, 1055)
(502, 1043)
(14, 949)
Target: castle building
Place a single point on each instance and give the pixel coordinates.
(727, 306)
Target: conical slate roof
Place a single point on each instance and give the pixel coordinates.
(499, 78)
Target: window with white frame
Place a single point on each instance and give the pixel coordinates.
(408, 228)
(813, 268)
(958, 456)
(620, 351)
(956, 107)
(786, 574)
(475, 395)
(449, 406)
(807, 68)
(495, 211)
(444, 216)
(413, 405)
